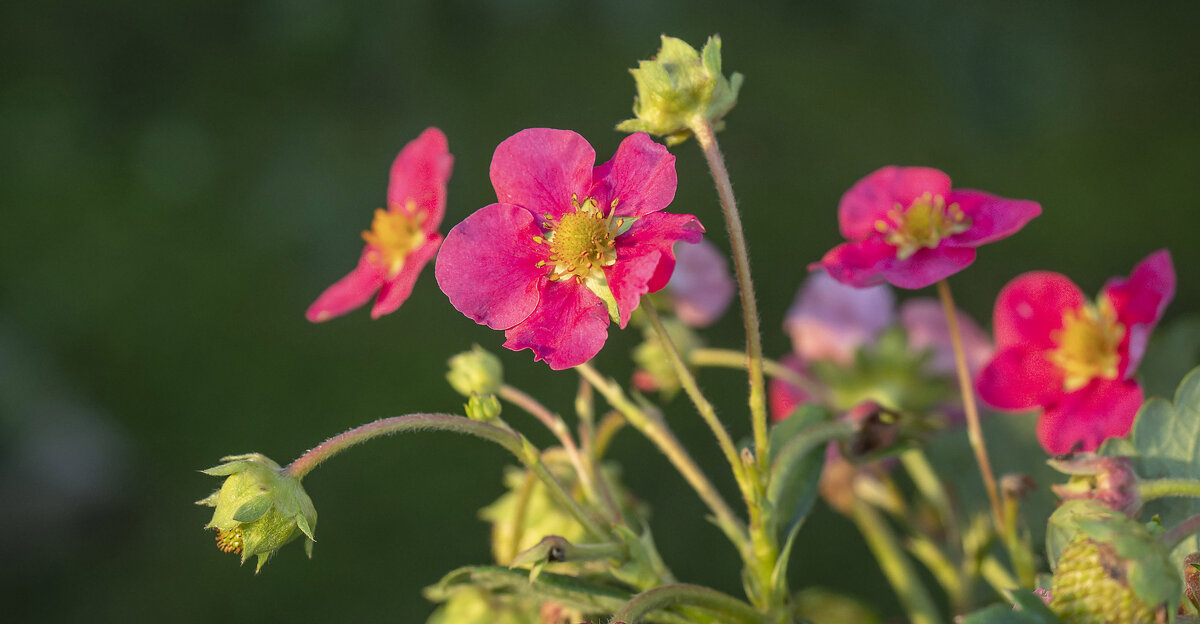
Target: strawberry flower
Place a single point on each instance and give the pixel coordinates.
(568, 246)
(700, 289)
(906, 226)
(1072, 358)
(402, 238)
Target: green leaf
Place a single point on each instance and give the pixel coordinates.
(1174, 350)
(1004, 614)
(798, 448)
(254, 509)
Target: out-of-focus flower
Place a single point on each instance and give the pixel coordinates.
(829, 320)
(1074, 359)
(701, 288)
(925, 323)
(655, 372)
(568, 245)
(475, 372)
(906, 226)
(402, 238)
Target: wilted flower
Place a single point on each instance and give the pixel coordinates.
(906, 226)
(402, 238)
(1109, 481)
(259, 508)
(700, 288)
(568, 246)
(1074, 359)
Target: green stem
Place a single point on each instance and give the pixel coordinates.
(683, 594)
(895, 564)
(658, 433)
(707, 139)
(1162, 488)
(1180, 532)
(930, 486)
(512, 441)
(730, 358)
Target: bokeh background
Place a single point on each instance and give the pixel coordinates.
(180, 180)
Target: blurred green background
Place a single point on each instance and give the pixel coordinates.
(182, 179)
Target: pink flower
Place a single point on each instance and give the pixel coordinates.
(906, 226)
(925, 322)
(829, 320)
(1073, 359)
(402, 238)
(568, 245)
(701, 287)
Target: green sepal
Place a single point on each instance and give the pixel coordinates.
(210, 500)
(254, 509)
(302, 524)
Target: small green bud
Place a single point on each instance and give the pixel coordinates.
(483, 408)
(654, 369)
(678, 85)
(259, 508)
(475, 371)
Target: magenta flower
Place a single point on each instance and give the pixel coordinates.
(568, 246)
(402, 237)
(1073, 359)
(701, 288)
(906, 226)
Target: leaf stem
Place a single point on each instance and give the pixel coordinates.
(683, 594)
(1180, 532)
(731, 358)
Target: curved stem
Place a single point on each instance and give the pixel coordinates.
(707, 139)
(974, 432)
(730, 358)
(1162, 488)
(707, 412)
(895, 565)
(654, 429)
(1180, 532)
(683, 594)
(512, 441)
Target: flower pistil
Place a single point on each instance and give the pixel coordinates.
(581, 242)
(923, 225)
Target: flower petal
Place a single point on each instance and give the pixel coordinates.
(830, 320)
(1019, 378)
(1139, 302)
(1084, 419)
(420, 174)
(782, 397)
(928, 266)
(540, 169)
(396, 290)
(992, 217)
(858, 264)
(640, 176)
(651, 237)
(488, 266)
(348, 293)
(700, 287)
(568, 327)
(872, 197)
(925, 322)
(1031, 307)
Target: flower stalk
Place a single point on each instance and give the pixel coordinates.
(683, 594)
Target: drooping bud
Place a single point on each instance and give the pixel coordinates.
(475, 371)
(258, 508)
(678, 85)
(1107, 480)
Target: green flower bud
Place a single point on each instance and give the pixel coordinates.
(475, 372)
(678, 85)
(654, 369)
(484, 408)
(259, 508)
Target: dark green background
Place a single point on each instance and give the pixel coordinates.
(182, 179)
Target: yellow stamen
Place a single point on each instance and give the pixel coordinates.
(1087, 345)
(922, 225)
(581, 242)
(229, 540)
(393, 235)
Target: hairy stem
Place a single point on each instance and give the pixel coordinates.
(730, 358)
(1162, 488)
(683, 594)
(1180, 532)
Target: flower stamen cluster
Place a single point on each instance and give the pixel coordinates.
(1087, 345)
(393, 236)
(581, 242)
(923, 225)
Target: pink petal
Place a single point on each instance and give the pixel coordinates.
(396, 290)
(628, 279)
(1031, 307)
(928, 266)
(568, 327)
(992, 217)
(488, 266)
(858, 264)
(540, 169)
(1019, 378)
(659, 232)
(1139, 302)
(782, 397)
(700, 287)
(872, 197)
(830, 320)
(925, 322)
(640, 176)
(420, 174)
(1084, 419)
(348, 293)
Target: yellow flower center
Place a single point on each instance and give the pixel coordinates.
(923, 225)
(393, 235)
(1087, 345)
(229, 540)
(581, 242)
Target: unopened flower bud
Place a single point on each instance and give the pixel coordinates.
(1107, 480)
(655, 372)
(678, 85)
(475, 371)
(484, 408)
(258, 508)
